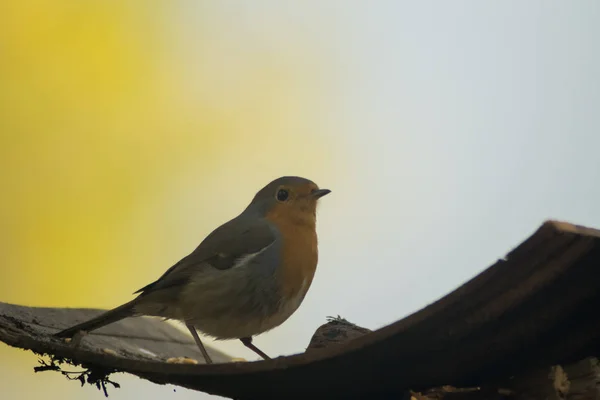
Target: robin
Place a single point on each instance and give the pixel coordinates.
(245, 278)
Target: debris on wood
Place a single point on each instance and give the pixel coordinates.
(337, 330)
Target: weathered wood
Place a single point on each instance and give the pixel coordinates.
(141, 339)
(576, 381)
(535, 308)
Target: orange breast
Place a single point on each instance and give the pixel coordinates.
(299, 252)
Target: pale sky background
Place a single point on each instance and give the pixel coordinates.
(455, 129)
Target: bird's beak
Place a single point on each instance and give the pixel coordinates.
(320, 193)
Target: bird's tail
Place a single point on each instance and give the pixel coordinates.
(114, 315)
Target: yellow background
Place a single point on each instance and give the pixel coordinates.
(124, 140)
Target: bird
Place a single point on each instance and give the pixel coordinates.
(248, 276)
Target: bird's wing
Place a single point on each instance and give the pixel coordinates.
(221, 249)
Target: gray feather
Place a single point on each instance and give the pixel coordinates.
(220, 250)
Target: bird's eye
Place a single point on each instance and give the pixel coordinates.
(282, 195)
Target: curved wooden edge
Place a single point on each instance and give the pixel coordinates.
(555, 266)
(567, 227)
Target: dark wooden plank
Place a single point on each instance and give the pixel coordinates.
(536, 307)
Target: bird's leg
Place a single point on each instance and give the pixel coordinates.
(77, 338)
(248, 343)
(199, 343)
